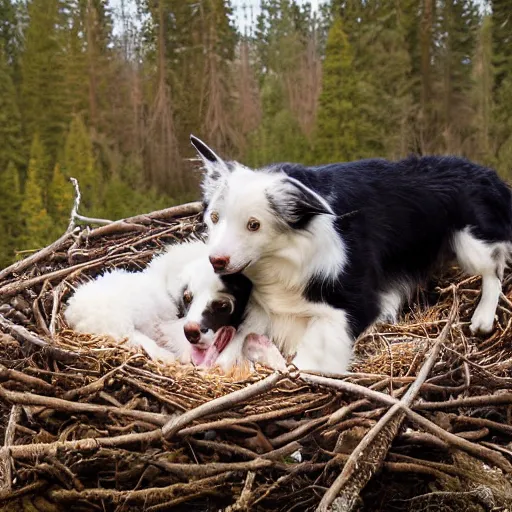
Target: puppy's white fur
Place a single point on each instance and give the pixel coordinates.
(142, 306)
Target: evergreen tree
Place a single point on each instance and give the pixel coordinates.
(41, 168)
(60, 201)
(502, 40)
(11, 149)
(482, 95)
(10, 202)
(343, 130)
(9, 35)
(44, 99)
(78, 162)
(35, 221)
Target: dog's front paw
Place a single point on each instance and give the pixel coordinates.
(259, 349)
(481, 323)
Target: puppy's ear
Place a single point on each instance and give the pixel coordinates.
(216, 169)
(296, 203)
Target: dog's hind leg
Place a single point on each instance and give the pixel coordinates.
(486, 259)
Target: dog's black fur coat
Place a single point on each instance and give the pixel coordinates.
(396, 220)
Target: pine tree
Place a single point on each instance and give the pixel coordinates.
(10, 202)
(35, 221)
(78, 162)
(10, 42)
(482, 95)
(502, 40)
(343, 130)
(41, 168)
(44, 98)
(11, 149)
(60, 201)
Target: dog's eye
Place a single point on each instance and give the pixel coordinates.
(187, 297)
(214, 216)
(221, 306)
(253, 224)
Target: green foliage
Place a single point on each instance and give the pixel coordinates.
(44, 100)
(121, 200)
(10, 202)
(78, 162)
(60, 201)
(343, 128)
(35, 221)
(11, 149)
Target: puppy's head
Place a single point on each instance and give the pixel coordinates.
(208, 302)
(250, 214)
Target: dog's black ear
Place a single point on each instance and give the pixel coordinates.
(297, 204)
(214, 166)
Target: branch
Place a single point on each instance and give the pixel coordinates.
(221, 403)
(5, 459)
(370, 453)
(20, 333)
(59, 404)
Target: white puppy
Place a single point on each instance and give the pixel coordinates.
(141, 306)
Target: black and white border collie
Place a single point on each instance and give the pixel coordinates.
(332, 249)
(177, 308)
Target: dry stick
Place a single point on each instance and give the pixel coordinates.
(453, 440)
(472, 401)
(144, 497)
(16, 286)
(221, 403)
(172, 427)
(362, 464)
(32, 382)
(59, 404)
(253, 418)
(20, 333)
(183, 210)
(5, 459)
(244, 500)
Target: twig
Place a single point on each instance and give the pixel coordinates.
(22, 334)
(5, 458)
(471, 401)
(141, 220)
(144, 497)
(221, 403)
(244, 500)
(32, 382)
(344, 492)
(419, 420)
(59, 404)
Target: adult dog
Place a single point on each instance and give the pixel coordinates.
(331, 249)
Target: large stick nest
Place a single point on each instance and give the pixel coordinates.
(424, 423)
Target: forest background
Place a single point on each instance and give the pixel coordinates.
(108, 92)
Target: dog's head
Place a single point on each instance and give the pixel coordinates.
(250, 214)
(209, 302)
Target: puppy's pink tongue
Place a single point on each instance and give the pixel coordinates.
(198, 355)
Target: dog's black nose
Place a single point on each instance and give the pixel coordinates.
(219, 263)
(192, 332)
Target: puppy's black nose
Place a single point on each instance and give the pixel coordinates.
(192, 332)
(219, 263)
